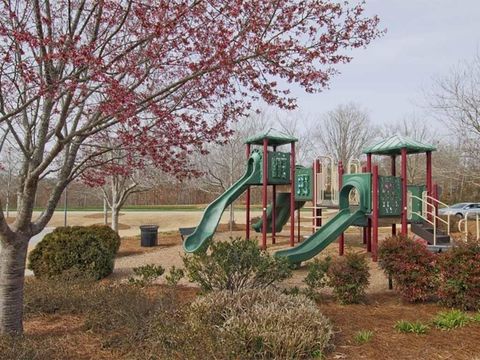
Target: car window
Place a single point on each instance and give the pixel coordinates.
(458, 206)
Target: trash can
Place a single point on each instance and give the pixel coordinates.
(148, 235)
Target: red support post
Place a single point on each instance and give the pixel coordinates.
(394, 173)
(429, 181)
(274, 207)
(404, 192)
(247, 204)
(292, 193)
(369, 162)
(369, 221)
(375, 214)
(264, 193)
(341, 239)
(364, 170)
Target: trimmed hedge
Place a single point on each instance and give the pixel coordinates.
(460, 276)
(89, 251)
(412, 266)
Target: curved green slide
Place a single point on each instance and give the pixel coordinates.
(338, 224)
(282, 213)
(199, 239)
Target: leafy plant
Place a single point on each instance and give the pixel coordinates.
(452, 319)
(349, 277)
(79, 249)
(411, 327)
(174, 276)
(317, 276)
(263, 323)
(459, 275)
(235, 265)
(413, 268)
(146, 275)
(363, 336)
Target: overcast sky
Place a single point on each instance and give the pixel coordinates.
(424, 39)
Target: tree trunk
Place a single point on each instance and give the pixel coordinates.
(12, 275)
(105, 212)
(115, 215)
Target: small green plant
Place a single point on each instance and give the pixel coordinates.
(317, 276)
(476, 317)
(146, 275)
(363, 336)
(174, 276)
(349, 277)
(235, 265)
(447, 320)
(415, 327)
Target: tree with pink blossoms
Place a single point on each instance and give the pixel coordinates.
(163, 77)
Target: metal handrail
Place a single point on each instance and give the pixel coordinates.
(426, 205)
(477, 225)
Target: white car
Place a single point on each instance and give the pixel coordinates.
(460, 210)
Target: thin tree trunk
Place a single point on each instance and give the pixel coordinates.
(12, 274)
(115, 215)
(105, 212)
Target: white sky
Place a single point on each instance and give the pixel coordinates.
(424, 39)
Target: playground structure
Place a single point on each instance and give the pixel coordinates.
(364, 199)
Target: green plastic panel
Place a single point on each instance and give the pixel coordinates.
(278, 168)
(389, 196)
(363, 184)
(416, 190)
(303, 184)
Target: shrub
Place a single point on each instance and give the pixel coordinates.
(460, 276)
(174, 276)
(411, 327)
(235, 265)
(146, 275)
(68, 249)
(105, 233)
(412, 267)
(452, 319)
(363, 336)
(317, 276)
(348, 275)
(263, 323)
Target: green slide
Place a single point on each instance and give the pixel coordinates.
(322, 238)
(282, 213)
(212, 214)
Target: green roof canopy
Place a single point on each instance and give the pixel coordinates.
(394, 144)
(275, 138)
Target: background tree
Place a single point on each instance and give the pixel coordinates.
(344, 132)
(172, 74)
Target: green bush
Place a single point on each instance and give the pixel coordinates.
(349, 277)
(412, 267)
(263, 323)
(146, 275)
(317, 276)
(174, 276)
(105, 233)
(81, 249)
(363, 336)
(235, 265)
(460, 276)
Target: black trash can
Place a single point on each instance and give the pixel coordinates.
(148, 235)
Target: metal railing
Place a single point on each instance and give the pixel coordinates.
(465, 221)
(429, 212)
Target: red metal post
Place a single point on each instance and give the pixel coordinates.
(429, 181)
(341, 239)
(317, 212)
(364, 170)
(264, 193)
(292, 193)
(394, 173)
(369, 162)
(247, 204)
(404, 192)
(375, 213)
(274, 208)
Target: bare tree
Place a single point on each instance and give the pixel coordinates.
(344, 132)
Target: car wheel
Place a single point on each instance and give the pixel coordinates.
(459, 216)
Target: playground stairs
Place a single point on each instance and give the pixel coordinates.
(425, 231)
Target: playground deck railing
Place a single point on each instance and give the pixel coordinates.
(429, 213)
(465, 229)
